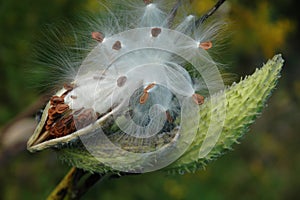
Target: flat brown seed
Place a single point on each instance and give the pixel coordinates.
(147, 2)
(69, 86)
(99, 37)
(56, 100)
(121, 81)
(47, 127)
(49, 122)
(205, 45)
(52, 110)
(117, 46)
(155, 32)
(151, 85)
(144, 98)
(60, 108)
(198, 99)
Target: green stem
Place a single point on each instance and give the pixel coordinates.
(74, 185)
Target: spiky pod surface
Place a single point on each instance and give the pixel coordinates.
(135, 104)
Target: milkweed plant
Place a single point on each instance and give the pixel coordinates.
(142, 92)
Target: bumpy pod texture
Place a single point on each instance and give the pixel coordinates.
(149, 97)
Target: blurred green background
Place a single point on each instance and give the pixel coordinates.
(266, 165)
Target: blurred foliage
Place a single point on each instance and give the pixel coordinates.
(265, 166)
(261, 32)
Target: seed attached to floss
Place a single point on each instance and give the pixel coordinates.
(99, 37)
(69, 86)
(198, 99)
(147, 2)
(121, 81)
(206, 45)
(155, 32)
(145, 95)
(151, 85)
(117, 45)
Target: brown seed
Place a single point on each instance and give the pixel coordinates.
(58, 132)
(151, 85)
(49, 122)
(68, 86)
(73, 127)
(59, 128)
(51, 111)
(117, 46)
(73, 97)
(99, 37)
(60, 108)
(169, 117)
(56, 100)
(59, 125)
(47, 127)
(205, 45)
(147, 2)
(52, 117)
(155, 32)
(67, 121)
(121, 81)
(144, 98)
(65, 132)
(85, 118)
(198, 99)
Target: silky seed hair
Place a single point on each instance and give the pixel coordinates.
(142, 70)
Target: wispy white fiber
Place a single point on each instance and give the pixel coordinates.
(144, 74)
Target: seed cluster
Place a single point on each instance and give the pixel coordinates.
(59, 122)
(62, 120)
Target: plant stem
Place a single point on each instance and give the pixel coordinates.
(74, 185)
(209, 13)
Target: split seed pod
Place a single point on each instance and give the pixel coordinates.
(135, 102)
(141, 114)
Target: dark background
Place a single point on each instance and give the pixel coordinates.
(266, 165)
